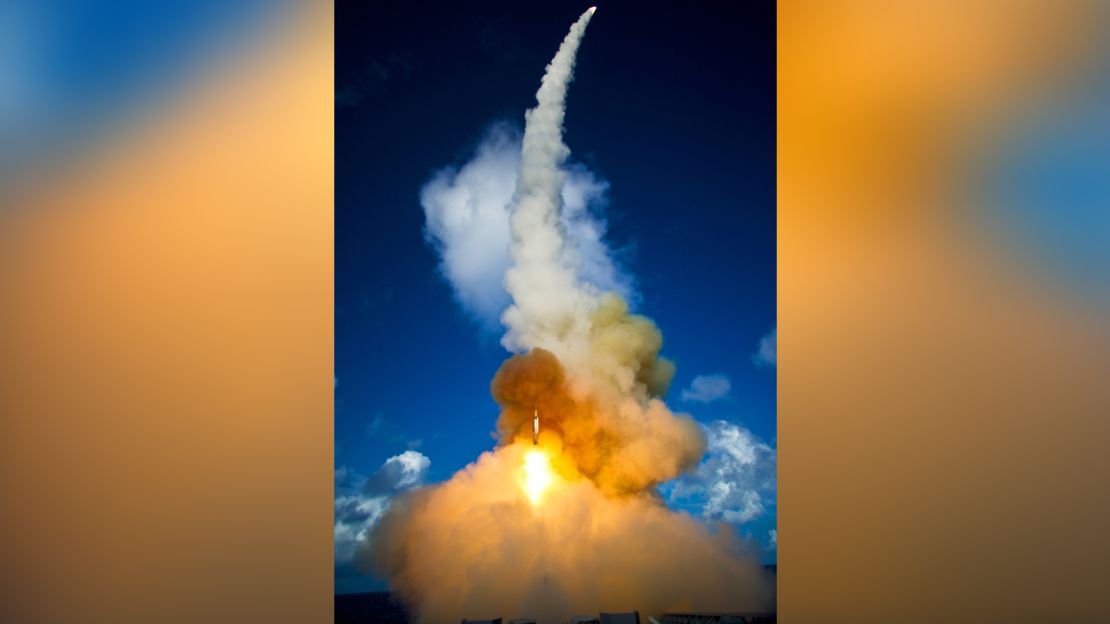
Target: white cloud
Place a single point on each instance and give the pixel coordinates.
(735, 482)
(773, 539)
(707, 388)
(767, 352)
(398, 473)
(355, 515)
(466, 212)
(360, 502)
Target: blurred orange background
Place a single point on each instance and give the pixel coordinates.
(943, 401)
(166, 330)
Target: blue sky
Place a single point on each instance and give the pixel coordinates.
(673, 108)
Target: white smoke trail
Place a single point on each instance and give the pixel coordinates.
(607, 353)
(549, 308)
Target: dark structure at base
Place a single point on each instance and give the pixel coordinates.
(369, 608)
(717, 618)
(382, 608)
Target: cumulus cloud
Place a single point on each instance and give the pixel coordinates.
(398, 473)
(707, 388)
(355, 515)
(466, 212)
(361, 501)
(767, 352)
(735, 482)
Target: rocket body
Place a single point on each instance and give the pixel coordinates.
(535, 426)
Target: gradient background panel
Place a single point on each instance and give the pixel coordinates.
(166, 324)
(943, 327)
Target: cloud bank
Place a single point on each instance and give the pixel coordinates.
(735, 482)
(361, 501)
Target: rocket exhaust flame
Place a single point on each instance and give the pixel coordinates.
(538, 475)
(576, 540)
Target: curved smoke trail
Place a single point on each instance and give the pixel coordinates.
(546, 298)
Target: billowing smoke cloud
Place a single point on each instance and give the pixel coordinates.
(625, 443)
(573, 522)
(466, 211)
(471, 547)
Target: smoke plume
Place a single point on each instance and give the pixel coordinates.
(466, 212)
(570, 522)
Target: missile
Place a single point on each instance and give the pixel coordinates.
(535, 426)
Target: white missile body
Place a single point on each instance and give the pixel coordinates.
(535, 426)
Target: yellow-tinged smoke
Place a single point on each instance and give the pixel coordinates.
(624, 442)
(480, 545)
(573, 523)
